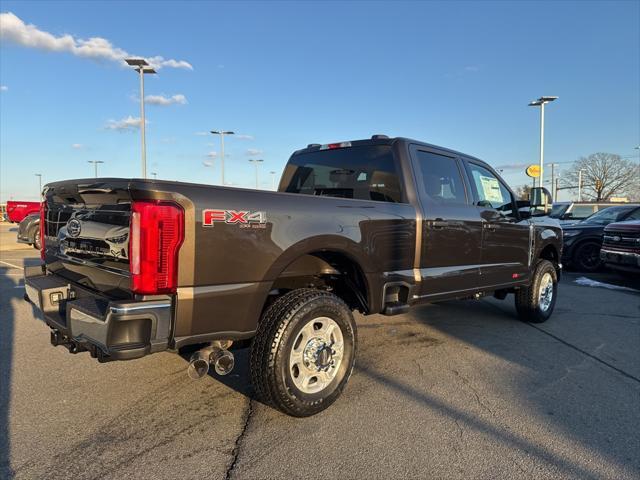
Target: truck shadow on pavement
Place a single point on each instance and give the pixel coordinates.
(558, 384)
(556, 387)
(10, 292)
(7, 293)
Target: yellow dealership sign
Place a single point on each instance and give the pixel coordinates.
(533, 171)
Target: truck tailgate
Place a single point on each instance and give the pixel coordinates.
(86, 234)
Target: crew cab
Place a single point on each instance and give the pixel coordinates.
(16, 211)
(134, 266)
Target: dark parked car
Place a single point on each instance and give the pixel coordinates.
(29, 230)
(582, 241)
(569, 213)
(621, 247)
(133, 267)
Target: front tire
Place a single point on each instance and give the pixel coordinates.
(587, 257)
(304, 351)
(535, 303)
(36, 239)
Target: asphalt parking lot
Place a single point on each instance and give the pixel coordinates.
(456, 390)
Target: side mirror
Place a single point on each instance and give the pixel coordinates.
(540, 198)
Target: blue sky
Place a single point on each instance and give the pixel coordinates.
(287, 74)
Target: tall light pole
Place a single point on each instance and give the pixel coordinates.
(222, 133)
(95, 165)
(256, 162)
(580, 185)
(273, 180)
(541, 102)
(553, 180)
(155, 175)
(39, 175)
(142, 67)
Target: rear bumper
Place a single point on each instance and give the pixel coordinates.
(620, 260)
(109, 329)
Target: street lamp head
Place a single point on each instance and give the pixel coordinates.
(256, 160)
(222, 132)
(542, 101)
(136, 62)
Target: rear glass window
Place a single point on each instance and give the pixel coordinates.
(364, 173)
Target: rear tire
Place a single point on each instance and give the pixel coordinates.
(535, 303)
(304, 351)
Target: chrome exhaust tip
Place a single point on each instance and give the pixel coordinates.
(222, 360)
(199, 364)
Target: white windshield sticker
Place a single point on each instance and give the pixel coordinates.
(491, 190)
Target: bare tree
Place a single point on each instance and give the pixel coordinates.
(603, 175)
(523, 192)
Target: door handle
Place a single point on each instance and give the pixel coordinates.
(491, 227)
(438, 223)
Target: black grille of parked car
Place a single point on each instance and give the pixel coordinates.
(621, 239)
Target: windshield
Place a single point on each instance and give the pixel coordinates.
(558, 210)
(608, 215)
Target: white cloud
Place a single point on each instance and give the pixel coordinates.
(128, 123)
(77, 146)
(3, 88)
(202, 134)
(177, 99)
(472, 68)
(244, 137)
(253, 152)
(13, 29)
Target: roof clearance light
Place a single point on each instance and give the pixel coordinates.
(333, 146)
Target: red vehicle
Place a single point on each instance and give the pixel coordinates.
(16, 211)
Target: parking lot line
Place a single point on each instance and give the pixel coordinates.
(11, 265)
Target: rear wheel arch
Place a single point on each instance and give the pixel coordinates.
(332, 269)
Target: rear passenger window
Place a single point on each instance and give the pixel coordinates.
(441, 178)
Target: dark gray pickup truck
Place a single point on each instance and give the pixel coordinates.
(133, 267)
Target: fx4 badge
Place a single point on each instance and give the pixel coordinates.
(245, 219)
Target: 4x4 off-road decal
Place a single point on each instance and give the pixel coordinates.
(242, 218)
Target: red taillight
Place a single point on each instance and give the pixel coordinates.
(155, 237)
(43, 228)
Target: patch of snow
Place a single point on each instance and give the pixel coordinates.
(587, 282)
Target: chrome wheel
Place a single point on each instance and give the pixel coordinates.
(316, 355)
(546, 292)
